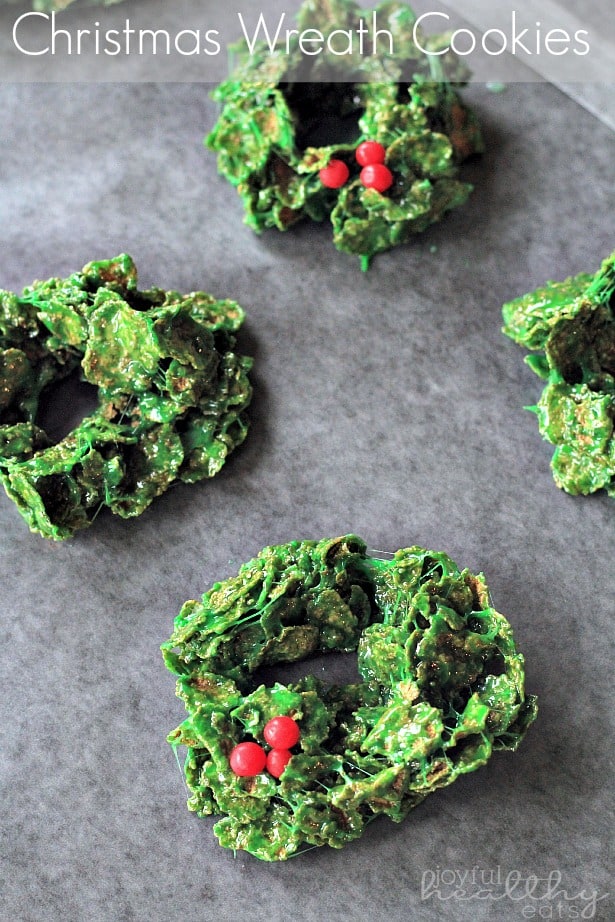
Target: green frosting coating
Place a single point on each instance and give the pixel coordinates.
(570, 328)
(171, 392)
(442, 687)
(270, 108)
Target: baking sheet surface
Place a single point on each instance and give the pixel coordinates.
(388, 404)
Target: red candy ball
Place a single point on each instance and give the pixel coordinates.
(334, 175)
(376, 176)
(277, 760)
(282, 732)
(248, 759)
(370, 152)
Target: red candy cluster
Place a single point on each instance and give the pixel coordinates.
(375, 175)
(249, 759)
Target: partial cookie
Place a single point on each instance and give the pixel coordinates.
(570, 326)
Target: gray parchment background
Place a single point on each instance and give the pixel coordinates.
(386, 403)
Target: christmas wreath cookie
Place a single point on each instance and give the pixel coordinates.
(289, 766)
(417, 129)
(570, 328)
(171, 393)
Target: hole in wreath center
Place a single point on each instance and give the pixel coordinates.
(330, 668)
(326, 114)
(65, 404)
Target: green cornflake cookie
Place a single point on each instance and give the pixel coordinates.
(442, 687)
(570, 326)
(171, 391)
(270, 111)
